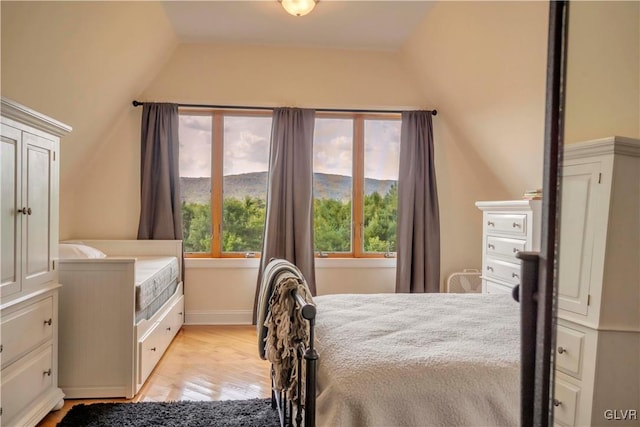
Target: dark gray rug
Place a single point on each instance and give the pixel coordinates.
(225, 413)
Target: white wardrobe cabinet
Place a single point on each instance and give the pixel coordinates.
(597, 353)
(29, 161)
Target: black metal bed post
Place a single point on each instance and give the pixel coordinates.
(299, 387)
(311, 357)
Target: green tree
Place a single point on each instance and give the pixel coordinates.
(242, 224)
(196, 227)
(332, 225)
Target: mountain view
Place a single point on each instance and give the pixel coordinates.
(327, 186)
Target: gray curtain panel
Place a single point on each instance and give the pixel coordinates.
(288, 231)
(160, 211)
(418, 257)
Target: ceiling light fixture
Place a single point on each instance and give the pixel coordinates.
(298, 7)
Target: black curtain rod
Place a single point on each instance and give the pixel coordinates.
(325, 110)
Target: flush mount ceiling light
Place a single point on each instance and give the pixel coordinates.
(298, 7)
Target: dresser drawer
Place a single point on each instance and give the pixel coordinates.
(569, 349)
(504, 247)
(502, 270)
(24, 381)
(510, 224)
(565, 403)
(26, 328)
(496, 288)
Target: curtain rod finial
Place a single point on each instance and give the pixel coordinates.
(433, 112)
(136, 103)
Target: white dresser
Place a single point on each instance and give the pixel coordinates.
(29, 160)
(508, 228)
(597, 353)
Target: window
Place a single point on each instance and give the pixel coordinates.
(224, 159)
(355, 165)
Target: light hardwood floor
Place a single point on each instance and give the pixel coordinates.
(202, 363)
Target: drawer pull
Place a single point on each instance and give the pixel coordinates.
(515, 275)
(489, 268)
(516, 225)
(491, 224)
(491, 246)
(152, 349)
(47, 372)
(48, 322)
(562, 350)
(556, 403)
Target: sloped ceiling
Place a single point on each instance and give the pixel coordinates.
(81, 63)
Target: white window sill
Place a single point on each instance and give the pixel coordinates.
(320, 263)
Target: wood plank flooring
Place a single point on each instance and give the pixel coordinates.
(202, 363)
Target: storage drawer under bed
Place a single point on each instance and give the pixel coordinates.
(154, 343)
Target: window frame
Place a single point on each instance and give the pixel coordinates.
(217, 176)
(357, 189)
(357, 184)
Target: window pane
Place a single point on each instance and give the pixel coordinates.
(381, 164)
(332, 184)
(245, 165)
(195, 181)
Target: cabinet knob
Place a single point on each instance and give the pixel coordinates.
(180, 314)
(515, 250)
(490, 223)
(516, 225)
(514, 275)
(489, 268)
(152, 349)
(562, 350)
(47, 372)
(48, 322)
(556, 403)
(169, 329)
(490, 246)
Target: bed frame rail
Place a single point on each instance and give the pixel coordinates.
(308, 353)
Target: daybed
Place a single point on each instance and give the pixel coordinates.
(118, 314)
(401, 359)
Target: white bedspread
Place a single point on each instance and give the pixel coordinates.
(418, 360)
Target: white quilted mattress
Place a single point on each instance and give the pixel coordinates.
(153, 275)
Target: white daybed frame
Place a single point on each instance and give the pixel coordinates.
(102, 351)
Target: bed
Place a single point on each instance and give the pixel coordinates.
(121, 305)
(403, 359)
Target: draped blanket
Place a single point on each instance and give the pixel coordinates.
(286, 329)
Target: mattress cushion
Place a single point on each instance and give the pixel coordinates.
(153, 275)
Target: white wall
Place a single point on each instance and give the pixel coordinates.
(483, 65)
(82, 63)
(222, 291)
(603, 71)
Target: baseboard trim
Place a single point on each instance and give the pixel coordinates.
(218, 317)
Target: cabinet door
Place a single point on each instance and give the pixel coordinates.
(10, 218)
(41, 220)
(578, 218)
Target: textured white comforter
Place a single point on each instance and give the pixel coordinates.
(418, 360)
